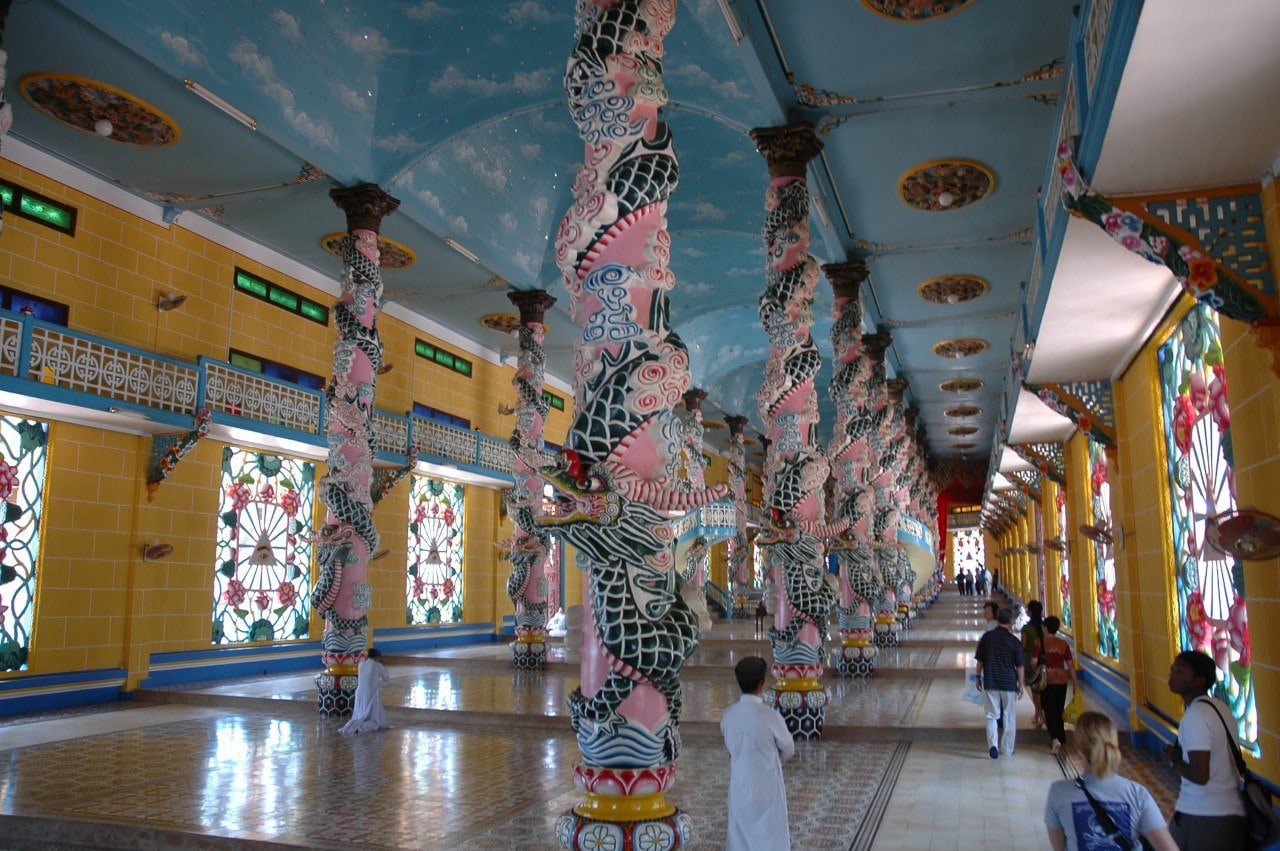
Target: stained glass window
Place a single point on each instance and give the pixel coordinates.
(1104, 557)
(434, 582)
(968, 551)
(1213, 615)
(1064, 560)
(262, 582)
(757, 566)
(22, 468)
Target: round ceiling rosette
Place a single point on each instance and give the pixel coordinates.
(940, 186)
(960, 347)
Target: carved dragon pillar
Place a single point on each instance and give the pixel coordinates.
(617, 476)
(795, 468)
(850, 456)
(890, 498)
(695, 468)
(349, 540)
(877, 413)
(530, 543)
(738, 583)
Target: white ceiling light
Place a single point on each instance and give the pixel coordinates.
(462, 249)
(103, 127)
(200, 91)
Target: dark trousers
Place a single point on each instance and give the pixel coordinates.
(1052, 700)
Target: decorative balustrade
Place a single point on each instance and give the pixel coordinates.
(36, 356)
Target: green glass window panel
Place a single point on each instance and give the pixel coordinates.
(250, 284)
(311, 310)
(425, 350)
(6, 195)
(444, 358)
(245, 362)
(59, 217)
(462, 366)
(284, 298)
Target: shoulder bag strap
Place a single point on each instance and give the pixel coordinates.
(1041, 631)
(1104, 818)
(1235, 747)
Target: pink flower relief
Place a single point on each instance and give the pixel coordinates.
(286, 593)
(262, 600)
(267, 493)
(420, 513)
(1113, 222)
(448, 516)
(8, 479)
(1218, 404)
(1184, 418)
(235, 593)
(290, 502)
(1159, 244)
(419, 588)
(1131, 242)
(1238, 628)
(1197, 619)
(239, 495)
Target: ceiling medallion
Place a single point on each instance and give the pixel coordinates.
(99, 109)
(962, 431)
(391, 254)
(963, 446)
(960, 347)
(953, 289)
(749, 441)
(941, 185)
(914, 11)
(713, 425)
(961, 385)
(963, 411)
(507, 323)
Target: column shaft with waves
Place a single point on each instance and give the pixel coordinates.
(875, 411)
(850, 456)
(349, 538)
(618, 475)
(530, 543)
(739, 582)
(795, 468)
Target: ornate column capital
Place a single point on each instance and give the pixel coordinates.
(532, 304)
(846, 278)
(737, 424)
(366, 205)
(911, 415)
(693, 399)
(875, 345)
(897, 387)
(787, 149)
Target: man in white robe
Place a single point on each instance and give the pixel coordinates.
(368, 714)
(758, 742)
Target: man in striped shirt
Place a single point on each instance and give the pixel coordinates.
(1001, 678)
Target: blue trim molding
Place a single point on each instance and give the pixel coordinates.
(43, 692)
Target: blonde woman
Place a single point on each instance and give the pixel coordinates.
(1073, 822)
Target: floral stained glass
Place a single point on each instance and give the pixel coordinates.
(23, 446)
(1064, 560)
(262, 581)
(434, 581)
(968, 551)
(1213, 615)
(1104, 556)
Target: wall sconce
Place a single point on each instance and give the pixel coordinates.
(156, 550)
(1101, 533)
(385, 367)
(128, 412)
(168, 301)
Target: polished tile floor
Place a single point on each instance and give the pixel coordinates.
(481, 757)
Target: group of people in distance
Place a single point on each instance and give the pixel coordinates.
(1100, 806)
(975, 583)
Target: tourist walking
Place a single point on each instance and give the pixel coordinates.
(1000, 676)
(1060, 671)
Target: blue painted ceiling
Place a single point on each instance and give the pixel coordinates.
(456, 108)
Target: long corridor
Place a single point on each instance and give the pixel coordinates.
(481, 757)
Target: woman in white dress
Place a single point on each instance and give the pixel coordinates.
(368, 714)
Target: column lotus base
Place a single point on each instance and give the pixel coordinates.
(336, 691)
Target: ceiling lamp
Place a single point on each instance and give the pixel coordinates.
(103, 127)
(461, 249)
(945, 199)
(208, 96)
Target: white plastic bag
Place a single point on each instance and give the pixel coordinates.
(972, 693)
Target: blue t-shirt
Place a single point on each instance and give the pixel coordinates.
(1129, 804)
(1000, 653)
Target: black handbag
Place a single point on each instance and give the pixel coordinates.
(1108, 824)
(1264, 827)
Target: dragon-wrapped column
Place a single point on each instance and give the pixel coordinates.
(795, 468)
(739, 583)
(891, 501)
(695, 479)
(349, 540)
(530, 543)
(850, 456)
(876, 413)
(618, 475)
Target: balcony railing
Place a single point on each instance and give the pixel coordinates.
(46, 361)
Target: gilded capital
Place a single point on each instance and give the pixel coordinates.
(846, 278)
(693, 398)
(737, 424)
(365, 205)
(532, 304)
(787, 149)
(897, 387)
(875, 345)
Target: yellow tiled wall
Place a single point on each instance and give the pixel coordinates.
(99, 604)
